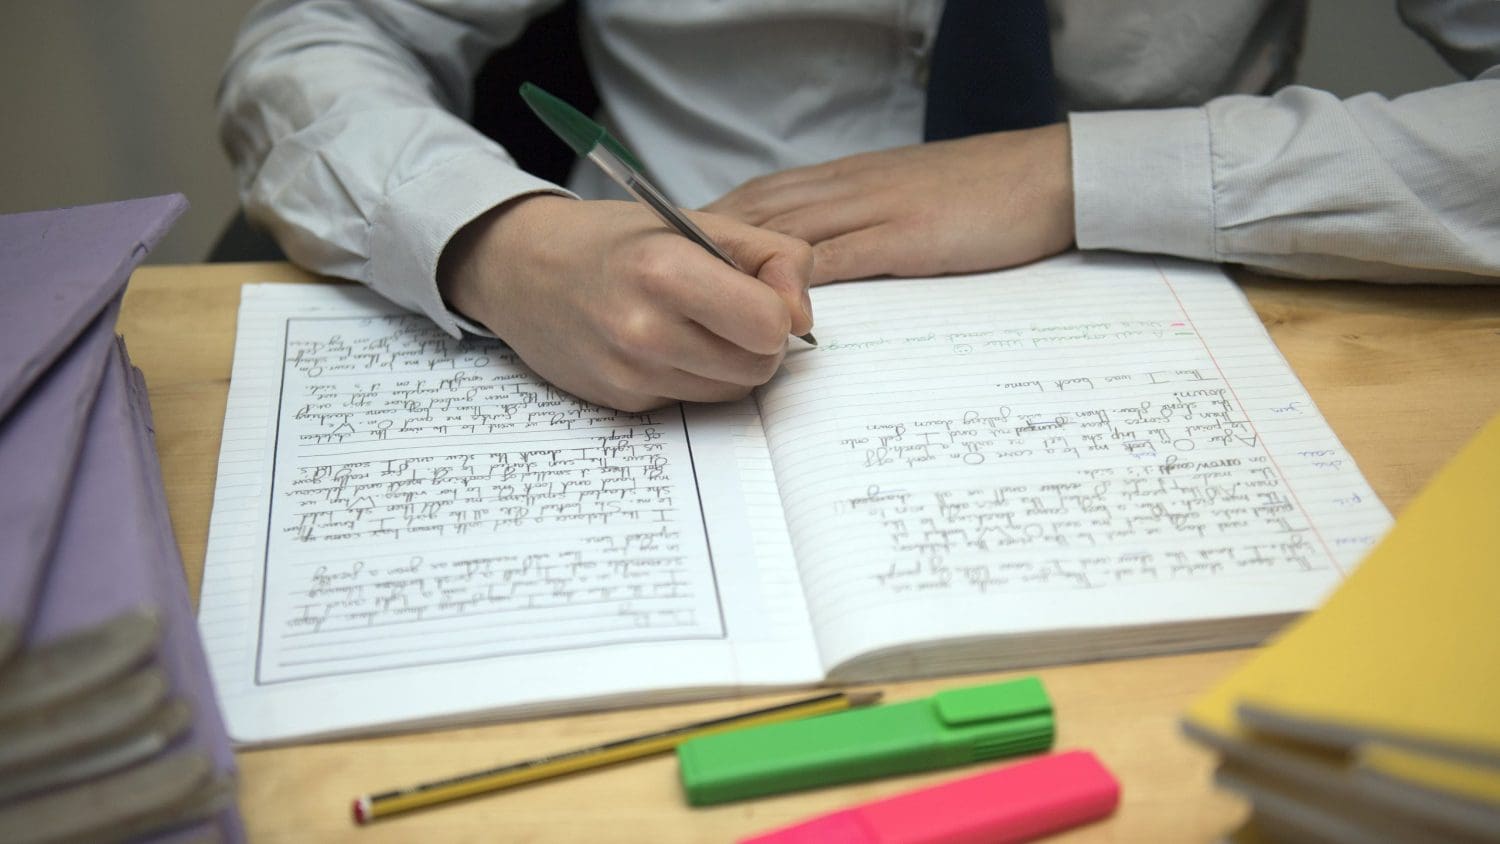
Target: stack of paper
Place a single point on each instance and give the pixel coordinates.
(109, 729)
(1377, 718)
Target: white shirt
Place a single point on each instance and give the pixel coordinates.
(342, 118)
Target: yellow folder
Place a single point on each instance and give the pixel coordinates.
(1406, 652)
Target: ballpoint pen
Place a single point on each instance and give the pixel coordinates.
(591, 141)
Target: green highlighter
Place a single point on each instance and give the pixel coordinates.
(954, 727)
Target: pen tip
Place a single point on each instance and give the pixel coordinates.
(864, 698)
(808, 339)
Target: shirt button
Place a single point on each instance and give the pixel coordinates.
(921, 56)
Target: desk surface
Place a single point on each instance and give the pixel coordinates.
(1404, 375)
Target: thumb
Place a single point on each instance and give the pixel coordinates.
(782, 263)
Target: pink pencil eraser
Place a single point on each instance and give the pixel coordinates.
(1015, 803)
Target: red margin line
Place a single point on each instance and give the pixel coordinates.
(1260, 440)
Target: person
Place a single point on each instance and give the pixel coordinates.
(797, 127)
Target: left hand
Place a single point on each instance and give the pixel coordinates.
(971, 204)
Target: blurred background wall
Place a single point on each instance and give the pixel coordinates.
(109, 99)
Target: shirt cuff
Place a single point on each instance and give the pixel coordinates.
(412, 227)
(1143, 182)
(469, 326)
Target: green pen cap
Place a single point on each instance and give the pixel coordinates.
(573, 126)
(954, 727)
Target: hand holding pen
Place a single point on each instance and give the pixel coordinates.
(588, 139)
(603, 300)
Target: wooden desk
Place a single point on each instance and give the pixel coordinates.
(1404, 375)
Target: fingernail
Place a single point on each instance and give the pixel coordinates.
(807, 305)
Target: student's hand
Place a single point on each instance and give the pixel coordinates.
(971, 204)
(606, 302)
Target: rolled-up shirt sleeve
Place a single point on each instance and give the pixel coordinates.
(343, 123)
(1302, 183)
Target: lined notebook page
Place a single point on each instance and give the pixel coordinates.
(1091, 442)
(411, 528)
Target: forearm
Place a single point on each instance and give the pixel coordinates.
(340, 119)
(1302, 183)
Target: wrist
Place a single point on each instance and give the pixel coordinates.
(504, 236)
(1055, 169)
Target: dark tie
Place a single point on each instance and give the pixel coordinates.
(991, 69)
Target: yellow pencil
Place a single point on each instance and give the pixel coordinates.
(373, 806)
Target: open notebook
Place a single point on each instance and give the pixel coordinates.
(1090, 457)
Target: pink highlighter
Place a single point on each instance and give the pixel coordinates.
(1018, 802)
